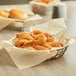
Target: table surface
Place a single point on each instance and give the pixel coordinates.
(64, 66)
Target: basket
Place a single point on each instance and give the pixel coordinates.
(59, 53)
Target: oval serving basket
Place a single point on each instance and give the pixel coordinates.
(59, 53)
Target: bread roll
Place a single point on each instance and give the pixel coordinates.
(4, 13)
(18, 14)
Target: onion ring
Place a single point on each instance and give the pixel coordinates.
(36, 40)
(39, 47)
(49, 37)
(40, 39)
(56, 44)
(25, 36)
(35, 33)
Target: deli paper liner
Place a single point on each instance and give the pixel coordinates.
(5, 22)
(10, 22)
(43, 8)
(24, 58)
(45, 4)
(22, 24)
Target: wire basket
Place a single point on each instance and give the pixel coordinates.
(59, 53)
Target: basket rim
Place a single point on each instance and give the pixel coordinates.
(60, 48)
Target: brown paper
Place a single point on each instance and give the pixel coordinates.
(24, 58)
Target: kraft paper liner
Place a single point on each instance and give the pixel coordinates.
(5, 22)
(24, 58)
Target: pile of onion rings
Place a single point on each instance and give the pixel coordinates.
(36, 40)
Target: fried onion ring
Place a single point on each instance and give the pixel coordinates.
(47, 45)
(36, 40)
(40, 39)
(39, 47)
(35, 33)
(25, 36)
(20, 42)
(56, 44)
(49, 37)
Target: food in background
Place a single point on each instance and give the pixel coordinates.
(18, 14)
(36, 40)
(44, 1)
(15, 14)
(4, 13)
